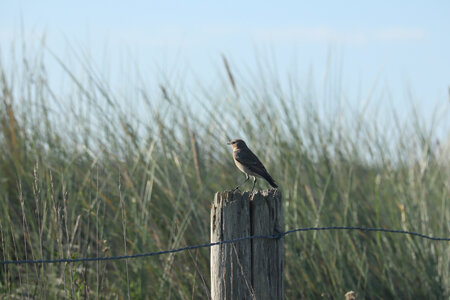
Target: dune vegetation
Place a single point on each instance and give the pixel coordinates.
(93, 172)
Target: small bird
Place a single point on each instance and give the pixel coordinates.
(248, 163)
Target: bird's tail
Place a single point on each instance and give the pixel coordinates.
(270, 180)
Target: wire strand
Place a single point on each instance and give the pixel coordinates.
(275, 236)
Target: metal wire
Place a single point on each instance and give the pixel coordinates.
(275, 236)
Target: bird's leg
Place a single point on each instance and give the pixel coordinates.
(246, 178)
(254, 182)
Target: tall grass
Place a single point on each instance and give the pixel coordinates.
(82, 175)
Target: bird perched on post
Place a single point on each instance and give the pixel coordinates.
(248, 163)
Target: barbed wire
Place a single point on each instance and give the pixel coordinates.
(274, 236)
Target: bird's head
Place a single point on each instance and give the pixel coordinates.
(237, 144)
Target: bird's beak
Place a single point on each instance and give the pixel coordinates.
(228, 143)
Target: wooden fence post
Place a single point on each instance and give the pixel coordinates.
(253, 268)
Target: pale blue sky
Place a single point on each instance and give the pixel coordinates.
(401, 45)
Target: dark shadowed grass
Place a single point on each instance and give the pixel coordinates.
(84, 175)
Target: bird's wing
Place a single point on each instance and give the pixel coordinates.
(251, 161)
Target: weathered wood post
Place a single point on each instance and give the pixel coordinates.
(252, 268)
